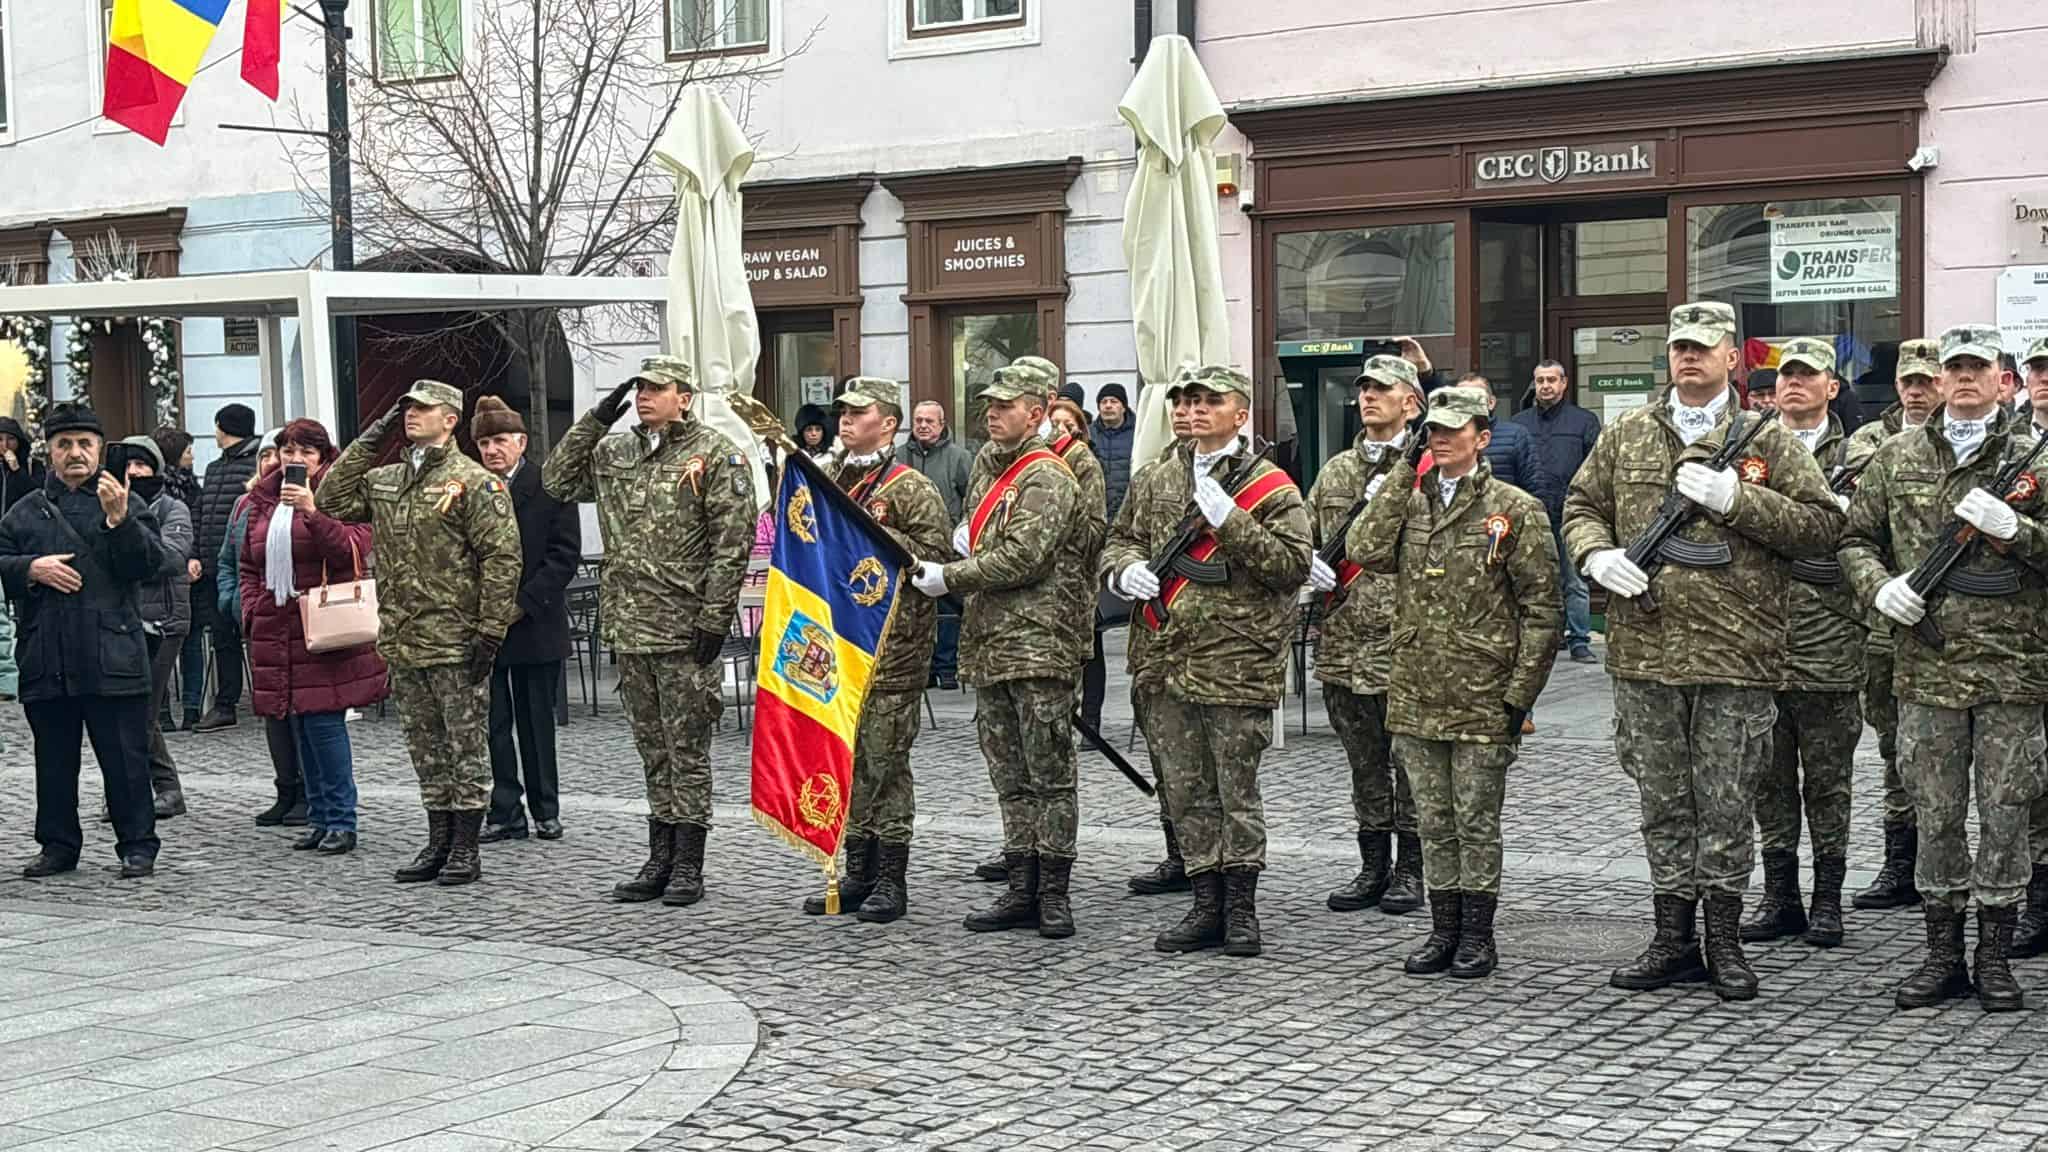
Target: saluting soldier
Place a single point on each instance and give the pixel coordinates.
(1919, 386)
(1356, 654)
(1696, 668)
(448, 566)
(1222, 619)
(1813, 744)
(1476, 572)
(675, 507)
(1015, 649)
(1171, 873)
(909, 508)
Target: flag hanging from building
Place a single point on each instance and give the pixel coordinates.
(833, 578)
(262, 35)
(154, 49)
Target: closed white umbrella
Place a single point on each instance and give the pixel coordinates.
(710, 308)
(1170, 229)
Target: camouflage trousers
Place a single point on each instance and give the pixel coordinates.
(1380, 799)
(1142, 716)
(1945, 751)
(446, 720)
(1694, 753)
(1458, 793)
(1881, 709)
(1813, 751)
(1027, 736)
(672, 703)
(884, 804)
(1212, 780)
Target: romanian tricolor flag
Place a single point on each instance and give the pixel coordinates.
(833, 579)
(154, 48)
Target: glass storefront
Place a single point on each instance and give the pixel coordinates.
(1612, 257)
(980, 343)
(804, 362)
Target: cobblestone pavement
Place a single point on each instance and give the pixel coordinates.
(919, 1034)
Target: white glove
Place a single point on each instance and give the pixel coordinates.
(1137, 583)
(1214, 502)
(1992, 516)
(1843, 502)
(1900, 602)
(1373, 489)
(1321, 576)
(930, 579)
(1710, 488)
(1614, 571)
(960, 539)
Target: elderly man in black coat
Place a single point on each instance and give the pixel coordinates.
(73, 558)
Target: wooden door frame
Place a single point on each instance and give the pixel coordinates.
(1558, 323)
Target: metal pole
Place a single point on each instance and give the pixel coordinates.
(339, 198)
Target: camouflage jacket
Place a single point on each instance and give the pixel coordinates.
(909, 508)
(1225, 643)
(1081, 552)
(1863, 444)
(1476, 621)
(1997, 647)
(1824, 638)
(1712, 625)
(448, 561)
(677, 523)
(1138, 638)
(1017, 624)
(1354, 651)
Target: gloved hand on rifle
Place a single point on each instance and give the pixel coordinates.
(1613, 570)
(1898, 601)
(1214, 502)
(1710, 488)
(613, 406)
(705, 645)
(1136, 582)
(1321, 576)
(1991, 516)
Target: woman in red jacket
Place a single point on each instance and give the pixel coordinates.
(290, 549)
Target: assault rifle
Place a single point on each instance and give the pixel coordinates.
(1842, 478)
(1334, 551)
(1941, 570)
(1174, 559)
(1661, 541)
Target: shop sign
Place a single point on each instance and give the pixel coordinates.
(987, 254)
(788, 266)
(1565, 164)
(1352, 346)
(1621, 381)
(1847, 256)
(2028, 224)
(2023, 304)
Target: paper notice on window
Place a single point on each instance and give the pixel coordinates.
(1847, 256)
(1613, 404)
(816, 389)
(2023, 304)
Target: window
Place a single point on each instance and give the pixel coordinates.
(1378, 283)
(1613, 257)
(980, 343)
(418, 39)
(707, 26)
(6, 77)
(943, 16)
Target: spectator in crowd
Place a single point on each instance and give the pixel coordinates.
(234, 430)
(279, 735)
(175, 446)
(1068, 419)
(1513, 456)
(1564, 434)
(1762, 390)
(19, 473)
(166, 609)
(932, 451)
(1111, 440)
(814, 430)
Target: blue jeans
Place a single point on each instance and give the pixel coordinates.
(1578, 616)
(329, 770)
(192, 669)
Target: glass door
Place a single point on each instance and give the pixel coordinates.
(1614, 362)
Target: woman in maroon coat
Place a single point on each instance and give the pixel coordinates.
(290, 549)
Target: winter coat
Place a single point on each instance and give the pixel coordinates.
(88, 642)
(26, 476)
(286, 679)
(226, 479)
(1564, 434)
(550, 547)
(947, 465)
(1513, 457)
(227, 565)
(1112, 446)
(167, 600)
(1018, 622)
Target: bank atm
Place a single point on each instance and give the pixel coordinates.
(1321, 398)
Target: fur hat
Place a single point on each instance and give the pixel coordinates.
(494, 418)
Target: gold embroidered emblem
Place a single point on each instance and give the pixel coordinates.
(817, 801)
(801, 519)
(869, 581)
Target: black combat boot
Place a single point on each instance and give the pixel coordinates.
(1370, 884)
(891, 896)
(1404, 887)
(1728, 970)
(1673, 956)
(1202, 927)
(1824, 915)
(1017, 907)
(1446, 919)
(1997, 991)
(465, 864)
(1055, 912)
(1780, 911)
(995, 869)
(1893, 887)
(1943, 975)
(647, 883)
(1169, 875)
(859, 881)
(427, 865)
(686, 883)
(2030, 936)
(1241, 911)
(1476, 956)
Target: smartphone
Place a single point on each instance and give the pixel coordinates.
(114, 457)
(295, 474)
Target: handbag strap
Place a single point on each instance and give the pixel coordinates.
(355, 559)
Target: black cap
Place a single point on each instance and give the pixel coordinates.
(236, 420)
(1113, 391)
(72, 418)
(1763, 380)
(1072, 391)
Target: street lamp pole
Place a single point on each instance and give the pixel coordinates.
(341, 209)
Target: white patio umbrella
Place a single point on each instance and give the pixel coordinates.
(710, 309)
(1170, 243)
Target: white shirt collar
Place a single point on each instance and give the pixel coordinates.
(1376, 450)
(1694, 423)
(1810, 436)
(1447, 487)
(1206, 461)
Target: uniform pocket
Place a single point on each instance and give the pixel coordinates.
(2024, 776)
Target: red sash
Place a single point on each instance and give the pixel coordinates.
(999, 494)
(1061, 445)
(874, 483)
(1249, 498)
(1347, 572)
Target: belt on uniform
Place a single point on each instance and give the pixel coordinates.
(2001, 581)
(1693, 554)
(1822, 572)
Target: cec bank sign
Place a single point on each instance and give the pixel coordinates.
(1601, 163)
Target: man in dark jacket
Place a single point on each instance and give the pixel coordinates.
(73, 559)
(1111, 441)
(1564, 434)
(19, 474)
(526, 682)
(166, 608)
(234, 429)
(933, 452)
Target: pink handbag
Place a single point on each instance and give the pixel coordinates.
(337, 616)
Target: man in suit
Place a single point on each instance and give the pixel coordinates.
(526, 682)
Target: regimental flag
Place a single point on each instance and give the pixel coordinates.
(833, 579)
(154, 48)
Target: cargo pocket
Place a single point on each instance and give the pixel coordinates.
(123, 651)
(2024, 776)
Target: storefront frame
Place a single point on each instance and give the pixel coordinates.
(827, 212)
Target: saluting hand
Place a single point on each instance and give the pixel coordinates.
(113, 499)
(613, 406)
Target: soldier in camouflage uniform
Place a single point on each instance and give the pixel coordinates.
(1973, 705)
(1170, 874)
(1476, 570)
(1355, 655)
(1017, 649)
(909, 508)
(2030, 935)
(1696, 665)
(448, 566)
(1819, 722)
(675, 507)
(1218, 664)
(1919, 388)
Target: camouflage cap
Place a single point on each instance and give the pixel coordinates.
(1919, 358)
(1980, 340)
(1457, 407)
(1702, 322)
(433, 393)
(1032, 376)
(1818, 355)
(2038, 350)
(673, 371)
(1215, 378)
(868, 391)
(1388, 370)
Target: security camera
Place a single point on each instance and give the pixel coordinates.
(1924, 157)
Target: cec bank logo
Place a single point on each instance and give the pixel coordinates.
(1555, 165)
